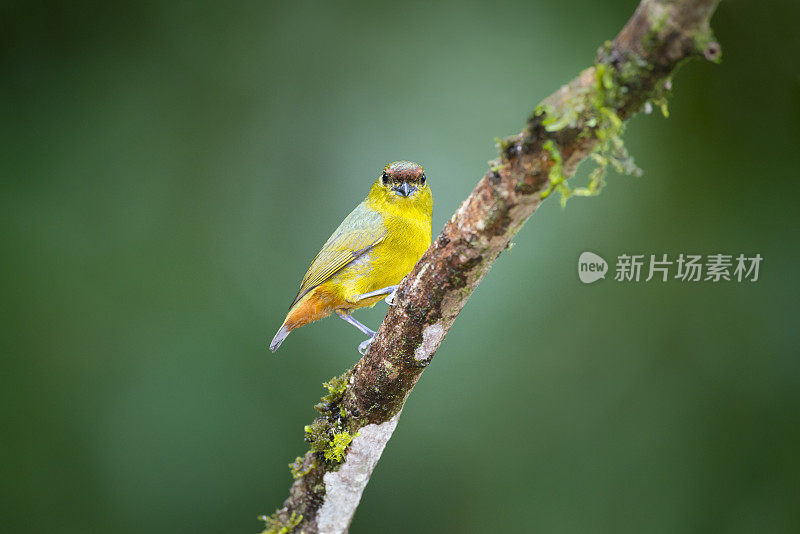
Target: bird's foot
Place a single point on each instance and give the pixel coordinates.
(391, 298)
(364, 345)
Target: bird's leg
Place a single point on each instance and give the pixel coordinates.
(350, 319)
(389, 290)
(362, 348)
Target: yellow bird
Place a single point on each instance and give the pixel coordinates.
(369, 254)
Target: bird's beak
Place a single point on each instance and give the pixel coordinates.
(404, 189)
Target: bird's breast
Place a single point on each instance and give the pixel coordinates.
(405, 242)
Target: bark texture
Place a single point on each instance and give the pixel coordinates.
(583, 118)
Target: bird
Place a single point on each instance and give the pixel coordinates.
(369, 254)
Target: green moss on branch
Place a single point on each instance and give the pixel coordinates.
(276, 526)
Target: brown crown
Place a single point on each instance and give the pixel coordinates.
(404, 171)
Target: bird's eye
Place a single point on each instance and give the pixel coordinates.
(385, 178)
(422, 179)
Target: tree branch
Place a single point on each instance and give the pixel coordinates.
(582, 119)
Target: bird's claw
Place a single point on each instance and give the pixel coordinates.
(364, 345)
(391, 298)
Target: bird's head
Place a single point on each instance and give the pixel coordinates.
(403, 184)
(403, 178)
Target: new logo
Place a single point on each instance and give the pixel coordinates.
(591, 267)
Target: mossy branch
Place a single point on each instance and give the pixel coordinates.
(584, 119)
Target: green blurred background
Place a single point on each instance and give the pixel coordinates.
(170, 168)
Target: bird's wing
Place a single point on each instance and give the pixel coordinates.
(357, 235)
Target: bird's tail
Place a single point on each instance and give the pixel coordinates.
(279, 337)
(314, 305)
